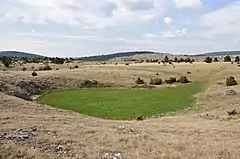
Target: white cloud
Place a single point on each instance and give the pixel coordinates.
(85, 14)
(174, 33)
(224, 21)
(150, 35)
(187, 3)
(168, 20)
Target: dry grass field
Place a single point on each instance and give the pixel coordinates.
(203, 132)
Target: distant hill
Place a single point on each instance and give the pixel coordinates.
(115, 55)
(19, 54)
(220, 53)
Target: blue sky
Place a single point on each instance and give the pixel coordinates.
(90, 27)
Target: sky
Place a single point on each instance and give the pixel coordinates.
(93, 27)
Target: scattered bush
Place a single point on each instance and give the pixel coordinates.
(231, 81)
(24, 69)
(139, 81)
(126, 64)
(156, 81)
(183, 79)
(57, 68)
(171, 80)
(157, 74)
(34, 73)
(189, 72)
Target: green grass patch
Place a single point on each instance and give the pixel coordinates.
(115, 103)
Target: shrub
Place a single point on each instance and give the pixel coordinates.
(127, 64)
(139, 81)
(57, 68)
(171, 80)
(88, 83)
(140, 118)
(156, 81)
(76, 66)
(233, 112)
(34, 73)
(231, 81)
(189, 72)
(183, 79)
(46, 68)
(24, 68)
(32, 68)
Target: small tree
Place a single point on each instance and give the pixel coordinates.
(227, 58)
(216, 59)
(139, 81)
(175, 59)
(237, 59)
(208, 60)
(6, 61)
(181, 60)
(166, 59)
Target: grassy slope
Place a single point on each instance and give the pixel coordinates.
(123, 103)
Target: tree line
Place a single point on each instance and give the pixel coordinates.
(226, 59)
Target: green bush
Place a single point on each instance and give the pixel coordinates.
(231, 81)
(156, 81)
(183, 79)
(139, 81)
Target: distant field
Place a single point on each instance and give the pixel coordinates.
(123, 103)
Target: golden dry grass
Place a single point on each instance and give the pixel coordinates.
(190, 134)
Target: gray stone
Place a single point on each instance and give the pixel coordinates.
(112, 156)
(230, 92)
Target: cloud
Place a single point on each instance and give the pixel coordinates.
(168, 20)
(85, 14)
(224, 21)
(174, 33)
(150, 35)
(187, 3)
